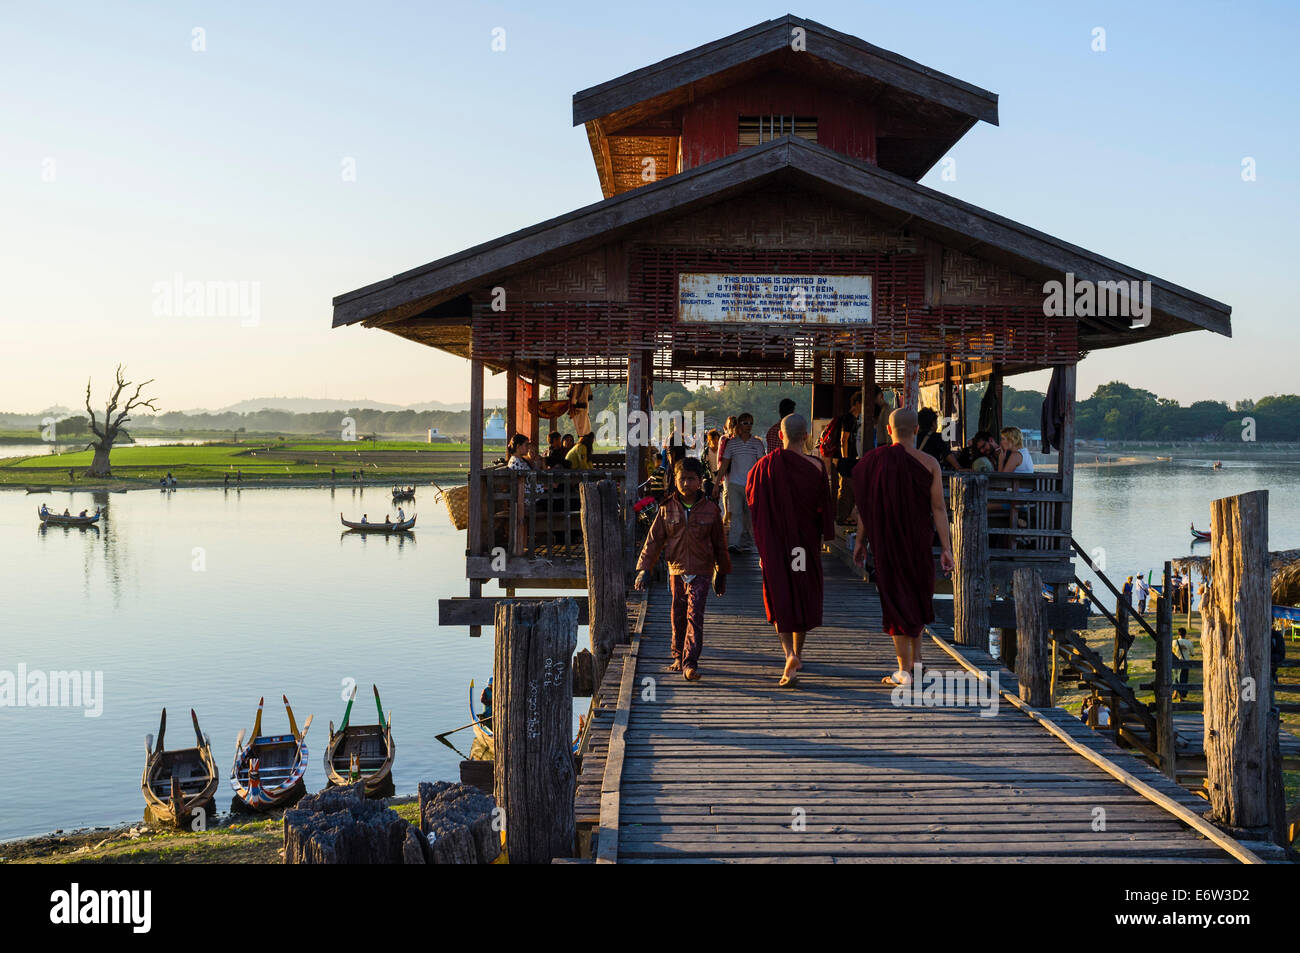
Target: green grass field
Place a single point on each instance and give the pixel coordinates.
(273, 462)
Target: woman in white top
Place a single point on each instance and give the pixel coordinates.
(1015, 458)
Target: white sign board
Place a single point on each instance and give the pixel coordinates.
(773, 299)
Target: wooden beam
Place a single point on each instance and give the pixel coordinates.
(459, 610)
(475, 479)
(1066, 451)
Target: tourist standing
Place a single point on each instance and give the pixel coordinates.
(789, 499)
(903, 507)
(688, 527)
(1142, 589)
(848, 459)
(773, 439)
(738, 457)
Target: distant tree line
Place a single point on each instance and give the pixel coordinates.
(1115, 411)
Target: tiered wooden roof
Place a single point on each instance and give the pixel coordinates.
(919, 112)
(433, 304)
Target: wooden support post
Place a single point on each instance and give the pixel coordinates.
(970, 546)
(912, 381)
(1007, 647)
(1032, 645)
(1164, 667)
(866, 426)
(632, 478)
(512, 401)
(1242, 765)
(1066, 454)
(602, 534)
(532, 723)
(476, 501)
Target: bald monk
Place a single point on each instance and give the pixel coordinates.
(900, 508)
(790, 503)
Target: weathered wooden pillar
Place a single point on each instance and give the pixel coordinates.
(476, 501)
(1033, 648)
(602, 535)
(532, 722)
(970, 546)
(1007, 647)
(1164, 668)
(1242, 770)
(632, 477)
(1065, 454)
(912, 381)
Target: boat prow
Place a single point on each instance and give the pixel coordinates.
(180, 786)
(267, 773)
(362, 752)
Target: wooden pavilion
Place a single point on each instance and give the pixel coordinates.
(785, 157)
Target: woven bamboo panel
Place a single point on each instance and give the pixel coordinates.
(590, 339)
(969, 280)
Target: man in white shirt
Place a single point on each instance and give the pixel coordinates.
(742, 452)
(1140, 592)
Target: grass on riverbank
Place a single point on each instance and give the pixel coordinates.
(271, 463)
(252, 842)
(1100, 637)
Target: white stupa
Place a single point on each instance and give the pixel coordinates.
(496, 427)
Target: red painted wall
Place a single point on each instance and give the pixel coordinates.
(710, 124)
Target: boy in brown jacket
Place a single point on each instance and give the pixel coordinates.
(689, 527)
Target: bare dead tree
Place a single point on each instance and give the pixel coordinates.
(114, 417)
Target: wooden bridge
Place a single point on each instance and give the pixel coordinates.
(733, 768)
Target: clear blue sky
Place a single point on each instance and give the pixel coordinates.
(226, 165)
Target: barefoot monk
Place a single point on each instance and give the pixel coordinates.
(789, 499)
(900, 508)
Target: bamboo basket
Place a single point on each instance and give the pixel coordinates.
(457, 501)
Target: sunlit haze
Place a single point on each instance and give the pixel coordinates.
(131, 159)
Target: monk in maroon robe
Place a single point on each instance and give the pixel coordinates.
(790, 504)
(900, 508)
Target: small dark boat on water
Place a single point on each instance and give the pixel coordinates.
(179, 786)
(403, 493)
(1199, 536)
(267, 773)
(362, 752)
(55, 519)
(483, 725)
(388, 527)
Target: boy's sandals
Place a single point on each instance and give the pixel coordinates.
(691, 673)
(675, 665)
(897, 679)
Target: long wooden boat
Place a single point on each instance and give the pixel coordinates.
(1199, 536)
(362, 752)
(267, 772)
(483, 727)
(379, 527)
(179, 786)
(59, 520)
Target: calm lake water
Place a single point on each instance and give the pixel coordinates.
(45, 449)
(210, 598)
